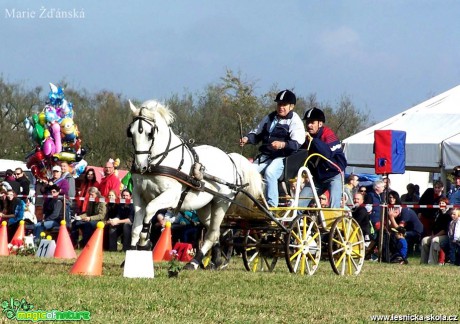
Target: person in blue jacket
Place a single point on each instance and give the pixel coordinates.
(281, 134)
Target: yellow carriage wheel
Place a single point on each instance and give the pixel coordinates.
(346, 246)
(303, 246)
(226, 251)
(260, 250)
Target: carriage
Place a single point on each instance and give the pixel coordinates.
(227, 193)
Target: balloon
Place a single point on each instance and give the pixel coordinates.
(56, 95)
(68, 130)
(35, 158)
(65, 156)
(28, 124)
(41, 119)
(50, 114)
(67, 109)
(79, 168)
(46, 133)
(49, 147)
(38, 133)
(56, 133)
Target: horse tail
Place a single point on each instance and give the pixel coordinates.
(249, 175)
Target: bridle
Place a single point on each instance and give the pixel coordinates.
(151, 137)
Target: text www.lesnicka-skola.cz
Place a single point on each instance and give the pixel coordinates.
(415, 318)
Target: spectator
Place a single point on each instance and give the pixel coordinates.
(350, 188)
(386, 189)
(3, 201)
(52, 212)
(190, 227)
(11, 181)
(431, 196)
(67, 175)
(411, 196)
(56, 179)
(400, 255)
(363, 190)
(157, 224)
(374, 198)
(454, 192)
(24, 183)
(110, 181)
(454, 237)
(111, 204)
(431, 245)
(393, 198)
(281, 133)
(322, 140)
(29, 213)
(88, 182)
(121, 224)
(87, 222)
(360, 214)
(407, 218)
(14, 212)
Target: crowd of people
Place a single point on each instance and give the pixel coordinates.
(82, 204)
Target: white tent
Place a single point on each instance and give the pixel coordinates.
(432, 135)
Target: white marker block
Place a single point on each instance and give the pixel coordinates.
(46, 249)
(138, 264)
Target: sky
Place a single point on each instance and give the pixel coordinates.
(386, 56)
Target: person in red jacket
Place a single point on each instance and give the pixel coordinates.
(110, 180)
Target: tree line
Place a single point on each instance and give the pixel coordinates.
(212, 117)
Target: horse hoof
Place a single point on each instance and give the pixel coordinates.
(147, 247)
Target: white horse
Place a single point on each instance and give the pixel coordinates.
(167, 173)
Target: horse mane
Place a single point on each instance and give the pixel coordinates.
(151, 108)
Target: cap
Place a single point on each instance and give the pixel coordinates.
(456, 172)
(57, 168)
(315, 114)
(399, 229)
(286, 96)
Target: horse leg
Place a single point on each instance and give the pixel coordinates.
(204, 214)
(216, 214)
(167, 199)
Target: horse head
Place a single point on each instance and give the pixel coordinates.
(150, 122)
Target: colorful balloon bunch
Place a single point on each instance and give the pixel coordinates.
(56, 136)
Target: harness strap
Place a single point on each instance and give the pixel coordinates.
(193, 183)
(181, 200)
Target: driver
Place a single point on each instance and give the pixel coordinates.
(281, 133)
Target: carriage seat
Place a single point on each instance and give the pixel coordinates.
(292, 165)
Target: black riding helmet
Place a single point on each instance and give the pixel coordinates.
(315, 114)
(286, 96)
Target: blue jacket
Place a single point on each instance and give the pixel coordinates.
(289, 130)
(326, 143)
(374, 199)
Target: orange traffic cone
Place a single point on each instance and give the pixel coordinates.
(20, 233)
(89, 263)
(64, 246)
(163, 248)
(4, 240)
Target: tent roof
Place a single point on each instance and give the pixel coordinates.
(432, 135)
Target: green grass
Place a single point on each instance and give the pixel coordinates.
(232, 295)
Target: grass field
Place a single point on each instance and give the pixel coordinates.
(232, 295)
